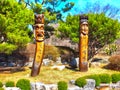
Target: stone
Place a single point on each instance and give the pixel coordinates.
(12, 88)
(90, 84)
(95, 64)
(118, 84)
(74, 63)
(73, 87)
(59, 67)
(46, 62)
(37, 86)
(50, 87)
(104, 86)
(72, 82)
(113, 86)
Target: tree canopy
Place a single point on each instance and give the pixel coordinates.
(57, 7)
(14, 21)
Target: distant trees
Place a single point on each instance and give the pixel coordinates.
(14, 21)
(102, 30)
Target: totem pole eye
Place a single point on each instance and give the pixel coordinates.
(42, 27)
(36, 27)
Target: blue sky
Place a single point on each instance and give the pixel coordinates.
(82, 3)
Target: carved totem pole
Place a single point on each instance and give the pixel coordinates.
(83, 44)
(39, 37)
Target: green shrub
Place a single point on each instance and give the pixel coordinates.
(105, 78)
(2, 88)
(80, 82)
(23, 84)
(115, 77)
(62, 85)
(10, 84)
(111, 48)
(1, 84)
(96, 78)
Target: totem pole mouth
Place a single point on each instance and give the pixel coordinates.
(39, 37)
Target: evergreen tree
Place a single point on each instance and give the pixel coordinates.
(14, 21)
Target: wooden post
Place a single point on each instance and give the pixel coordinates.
(39, 37)
(83, 44)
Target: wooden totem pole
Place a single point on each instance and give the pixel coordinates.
(83, 44)
(39, 38)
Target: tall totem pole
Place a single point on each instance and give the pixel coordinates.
(83, 44)
(39, 38)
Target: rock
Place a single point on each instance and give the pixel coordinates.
(113, 86)
(50, 87)
(74, 63)
(90, 84)
(41, 86)
(73, 87)
(118, 84)
(37, 86)
(104, 87)
(95, 64)
(12, 88)
(61, 67)
(47, 62)
(72, 82)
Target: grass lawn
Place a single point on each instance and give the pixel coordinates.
(48, 75)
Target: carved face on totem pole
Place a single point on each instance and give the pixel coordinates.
(84, 28)
(84, 25)
(39, 27)
(39, 32)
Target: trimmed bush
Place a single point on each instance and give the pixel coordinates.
(1, 84)
(80, 82)
(10, 84)
(2, 88)
(105, 78)
(23, 84)
(115, 77)
(96, 78)
(62, 85)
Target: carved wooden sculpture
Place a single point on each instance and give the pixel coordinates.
(83, 44)
(39, 37)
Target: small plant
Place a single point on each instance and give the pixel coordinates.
(10, 84)
(111, 49)
(80, 82)
(115, 77)
(96, 78)
(62, 85)
(1, 84)
(23, 84)
(2, 88)
(105, 78)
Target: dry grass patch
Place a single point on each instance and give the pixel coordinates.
(48, 75)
